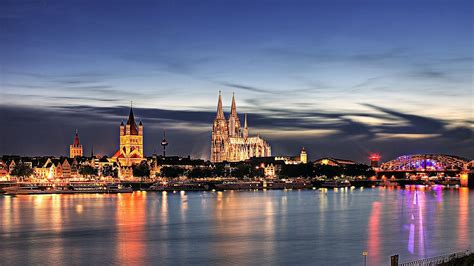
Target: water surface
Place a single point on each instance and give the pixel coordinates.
(323, 227)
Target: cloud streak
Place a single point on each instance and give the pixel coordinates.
(322, 133)
(244, 87)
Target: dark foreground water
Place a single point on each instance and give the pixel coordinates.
(236, 227)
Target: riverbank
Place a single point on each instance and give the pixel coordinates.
(468, 260)
(29, 188)
(454, 259)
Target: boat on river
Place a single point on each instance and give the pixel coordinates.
(24, 189)
(388, 183)
(286, 184)
(239, 185)
(336, 184)
(178, 186)
(74, 188)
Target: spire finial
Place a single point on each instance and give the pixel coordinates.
(246, 129)
(233, 108)
(220, 111)
(76, 139)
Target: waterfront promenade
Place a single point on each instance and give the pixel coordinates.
(64, 187)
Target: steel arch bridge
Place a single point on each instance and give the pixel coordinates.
(427, 163)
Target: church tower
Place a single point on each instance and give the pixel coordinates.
(76, 148)
(234, 122)
(303, 156)
(220, 134)
(131, 142)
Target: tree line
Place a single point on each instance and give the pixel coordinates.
(243, 170)
(285, 171)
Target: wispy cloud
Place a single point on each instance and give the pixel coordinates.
(244, 87)
(315, 130)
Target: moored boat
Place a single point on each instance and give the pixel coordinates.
(388, 183)
(76, 188)
(178, 187)
(24, 190)
(286, 184)
(239, 185)
(336, 184)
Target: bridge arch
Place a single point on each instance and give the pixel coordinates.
(426, 162)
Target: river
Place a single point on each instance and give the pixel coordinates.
(323, 227)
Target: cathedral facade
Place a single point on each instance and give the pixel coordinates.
(231, 142)
(131, 143)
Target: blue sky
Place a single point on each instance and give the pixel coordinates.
(343, 78)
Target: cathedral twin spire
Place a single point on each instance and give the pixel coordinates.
(230, 142)
(233, 123)
(220, 111)
(233, 108)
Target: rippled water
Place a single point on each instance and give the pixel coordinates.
(239, 227)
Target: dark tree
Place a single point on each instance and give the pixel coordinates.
(171, 171)
(359, 170)
(257, 172)
(297, 170)
(142, 170)
(241, 171)
(219, 170)
(247, 171)
(109, 170)
(87, 170)
(327, 170)
(22, 170)
(198, 172)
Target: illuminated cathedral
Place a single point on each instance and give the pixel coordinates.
(131, 142)
(231, 142)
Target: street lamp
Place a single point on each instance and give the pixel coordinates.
(364, 254)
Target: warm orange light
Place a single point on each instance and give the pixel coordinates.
(464, 179)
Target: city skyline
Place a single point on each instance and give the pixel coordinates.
(365, 82)
(156, 140)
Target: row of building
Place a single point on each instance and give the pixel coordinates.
(80, 167)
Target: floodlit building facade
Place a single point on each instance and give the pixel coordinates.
(76, 148)
(231, 142)
(131, 143)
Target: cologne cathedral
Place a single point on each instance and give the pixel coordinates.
(231, 142)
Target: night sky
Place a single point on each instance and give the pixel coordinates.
(342, 78)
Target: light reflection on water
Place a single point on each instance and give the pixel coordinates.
(327, 227)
